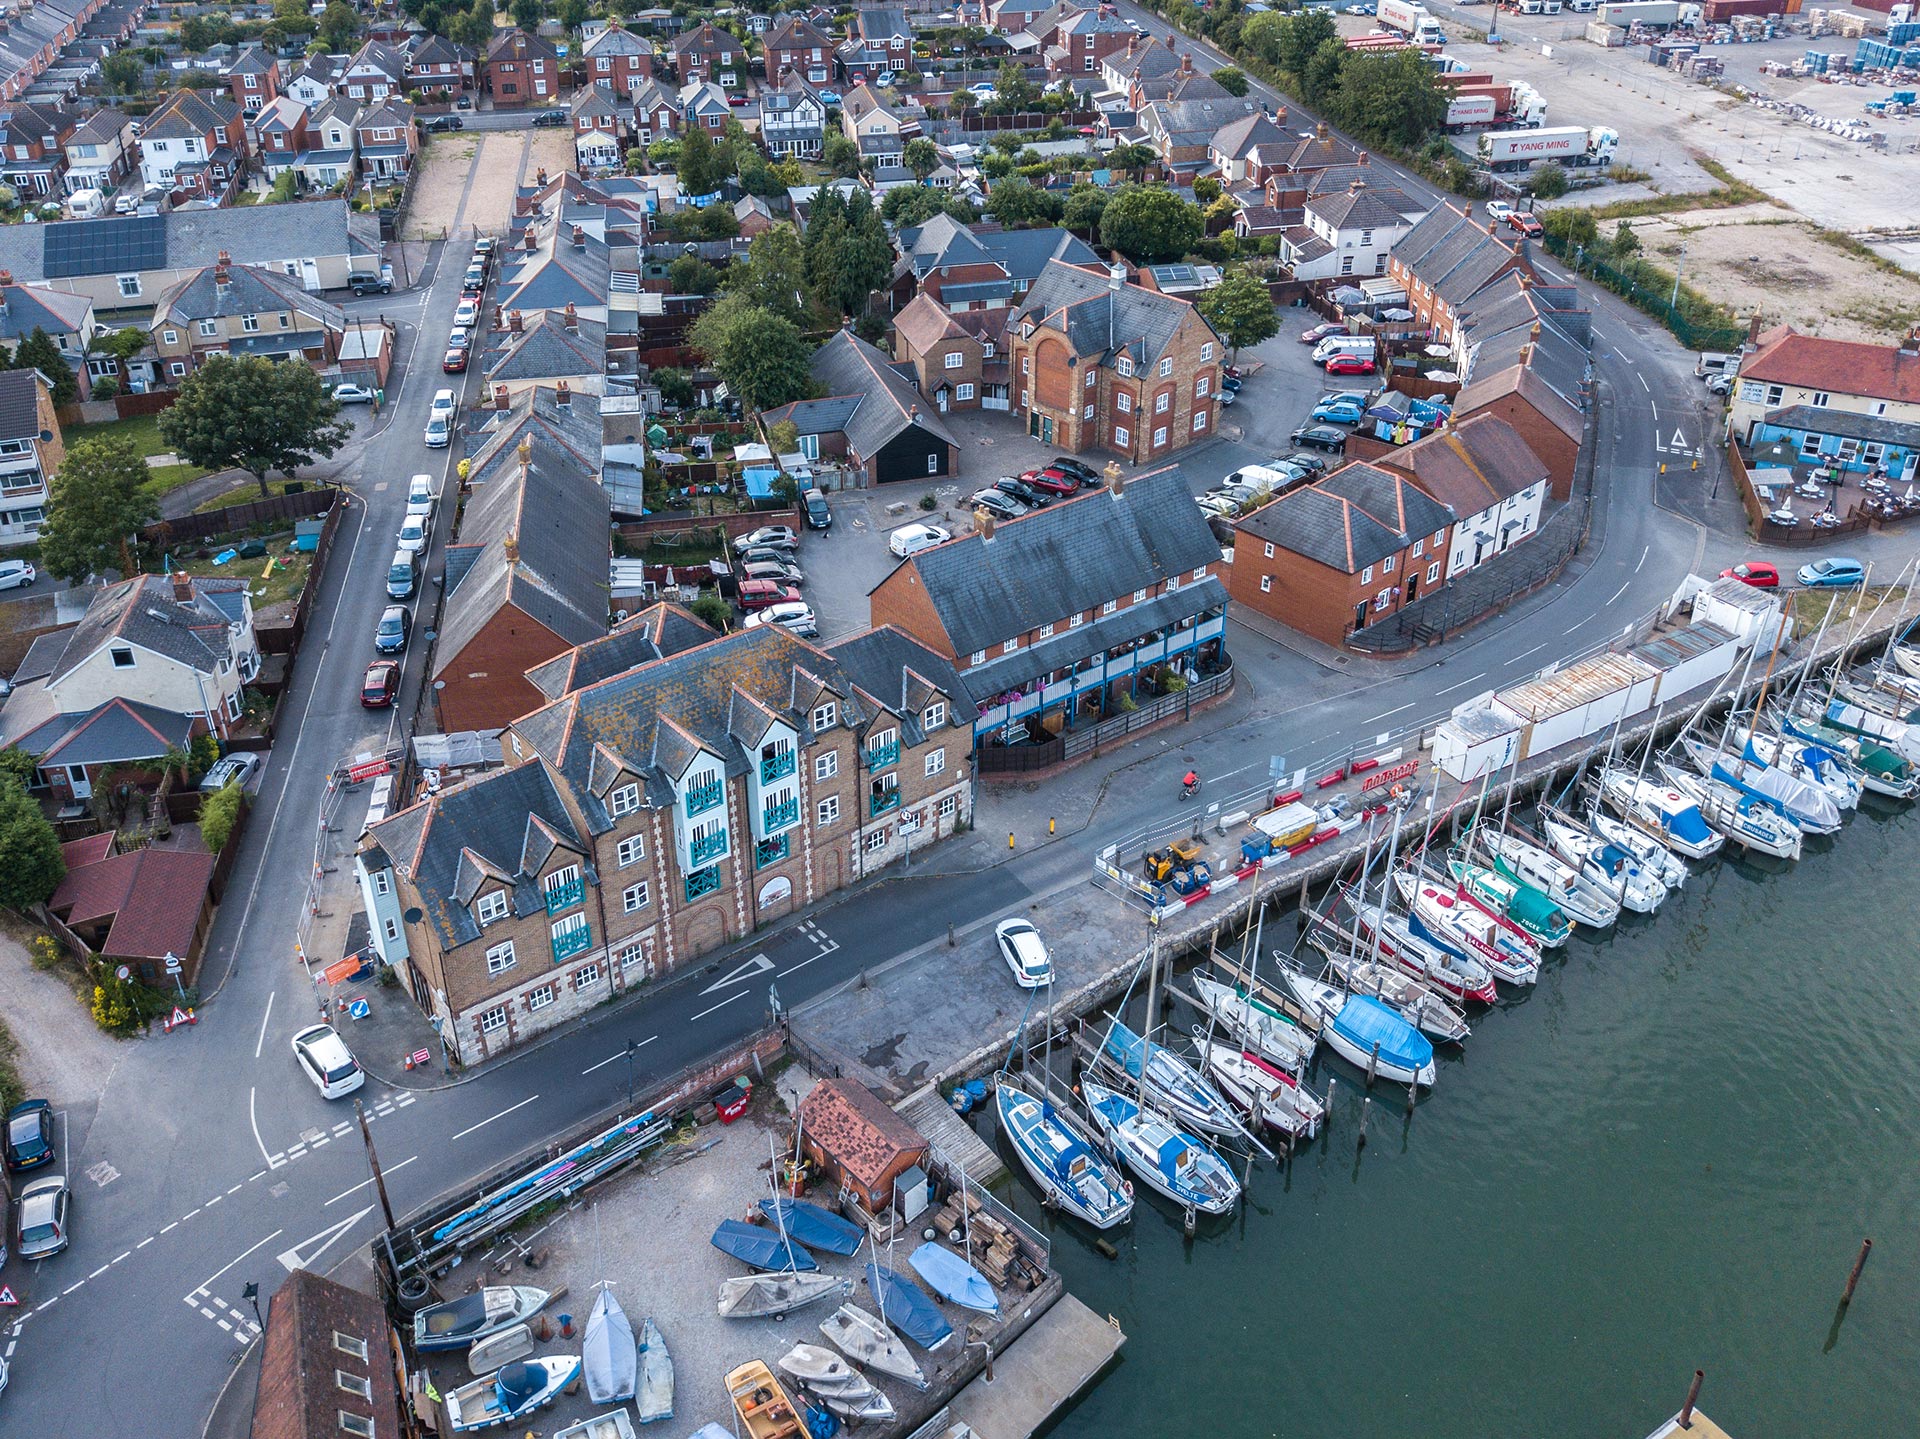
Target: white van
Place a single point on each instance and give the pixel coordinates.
(1261, 479)
(1714, 363)
(1363, 345)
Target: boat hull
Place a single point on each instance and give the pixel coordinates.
(1030, 1129)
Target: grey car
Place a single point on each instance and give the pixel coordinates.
(42, 1218)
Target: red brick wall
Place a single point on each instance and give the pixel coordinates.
(1316, 599)
(901, 599)
(1557, 450)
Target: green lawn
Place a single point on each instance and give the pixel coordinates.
(284, 583)
(239, 494)
(143, 433)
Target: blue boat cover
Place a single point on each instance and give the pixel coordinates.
(762, 1248)
(519, 1384)
(905, 1305)
(813, 1226)
(953, 1279)
(1688, 824)
(1365, 1021)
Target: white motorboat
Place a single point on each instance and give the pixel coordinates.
(1662, 811)
(1419, 1003)
(1266, 1032)
(1602, 861)
(1579, 898)
(1907, 657)
(1746, 820)
(1661, 862)
(1265, 1091)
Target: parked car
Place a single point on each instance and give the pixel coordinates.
(1312, 465)
(764, 594)
(1032, 498)
(41, 1217)
(999, 504)
(473, 284)
(1525, 222)
(466, 312)
(794, 615)
(1350, 365)
(1339, 412)
(1721, 384)
(14, 573)
(1051, 481)
(547, 118)
(368, 284)
(420, 492)
(1758, 573)
(830, 97)
(381, 687)
(776, 537)
(1359, 397)
(1833, 574)
(324, 1058)
(1025, 953)
(390, 636)
(460, 338)
(483, 246)
(781, 572)
(1323, 331)
(29, 1136)
(819, 512)
(738, 99)
(454, 362)
(1231, 383)
(439, 433)
(911, 539)
(1498, 211)
(1085, 474)
(413, 534)
(1320, 437)
(444, 122)
(237, 768)
(351, 394)
(441, 404)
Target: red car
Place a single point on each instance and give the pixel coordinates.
(1526, 224)
(381, 686)
(1758, 573)
(1052, 482)
(1320, 332)
(455, 362)
(759, 594)
(1349, 365)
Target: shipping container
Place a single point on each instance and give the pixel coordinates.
(1465, 110)
(1583, 699)
(1570, 144)
(1646, 12)
(1721, 12)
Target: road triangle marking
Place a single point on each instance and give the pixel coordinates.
(759, 964)
(304, 1253)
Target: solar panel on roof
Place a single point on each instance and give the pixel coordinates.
(120, 245)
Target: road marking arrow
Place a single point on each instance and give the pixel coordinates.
(304, 1253)
(759, 964)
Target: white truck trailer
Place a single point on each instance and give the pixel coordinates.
(1567, 145)
(1413, 20)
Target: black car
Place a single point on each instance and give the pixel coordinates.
(445, 122)
(550, 117)
(1085, 474)
(1027, 495)
(1321, 437)
(29, 1136)
(1312, 464)
(369, 284)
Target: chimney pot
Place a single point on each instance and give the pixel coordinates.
(1320, 130)
(572, 319)
(986, 528)
(913, 412)
(563, 395)
(225, 258)
(511, 544)
(1360, 157)
(579, 237)
(1186, 64)
(514, 321)
(499, 318)
(500, 397)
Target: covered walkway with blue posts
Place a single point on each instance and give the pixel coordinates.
(1845, 440)
(1096, 664)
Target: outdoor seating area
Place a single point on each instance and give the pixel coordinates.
(1792, 499)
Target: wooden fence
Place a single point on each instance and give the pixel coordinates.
(152, 402)
(184, 529)
(1762, 527)
(640, 531)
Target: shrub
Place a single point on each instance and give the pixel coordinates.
(105, 388)
(115, 1008)
(219, 815)
(928, 502)
(711, 610)
(44, 950)
(1548, 183)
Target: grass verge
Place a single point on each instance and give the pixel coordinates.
(12, 1088)
(1728, 193)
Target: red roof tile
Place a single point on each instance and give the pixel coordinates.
(855, 1130)
(91, 850)
(153, 897)
(1847, 367)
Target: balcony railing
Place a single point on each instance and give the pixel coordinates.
(776, 767)
(770, 851)
(574, 941)
(884, 803)
(708, 846)
(880, 756)
(705, 797)
(702, 882)
(776, 817)
(567, 895)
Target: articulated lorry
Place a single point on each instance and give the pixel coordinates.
(1568, 145)
(1477, 100)
(1412, 19)
(1648, 12)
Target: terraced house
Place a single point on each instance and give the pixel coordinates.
(680, 790)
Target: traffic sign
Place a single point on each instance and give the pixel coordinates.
(6, 1295)
(173, 964)
(421, 1056)
(123, 973)
(359, 1009)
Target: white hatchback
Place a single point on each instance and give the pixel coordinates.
(413, 534)
(794, 615)
(911, 539)
(1025, 953)
(442, 405)
(325, 1059)
(420, 496)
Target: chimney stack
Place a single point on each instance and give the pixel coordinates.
(572, 321)
(1320, 130)
(501, 399)
(511, 545)
(524, 451)
(1133, 46)
(579, 238)
(913, 412)
(6, 278)
(514, 322)
(1186, 64)
(1360, 157)
(1354, 187)
(986, 528)
(182, 587)
(528, 242)
(563, 395)
(1116, 277)
(499, 320)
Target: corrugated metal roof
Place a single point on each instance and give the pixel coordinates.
(1671, 650)
(1576, 685)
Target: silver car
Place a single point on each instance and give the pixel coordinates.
(42, 1218)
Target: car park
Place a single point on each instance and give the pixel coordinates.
(369, 284)
(381, 687)
(237, 768)
(1033, 499)
(1320, 437)
(1311, 466)
(390, 635)
(42, 1218)
(1833, 574)
(420, 494)
(14, 573)
(1323, 332)
(466, 312)
(29, 1136)
(454, 362)
(439, 434)
(793, 615)
(1350, 365)
(1758, 573)
(781, 572)
(352, 394)
(1025, 953)
(1051, 481)
(911, 539)
(764, 594)
(999, 504)
(324, 1058)
(1339, 412)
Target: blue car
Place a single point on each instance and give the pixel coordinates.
(1340, 412)
(830, 97)
(1833, 574)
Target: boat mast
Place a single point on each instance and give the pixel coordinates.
(1393, 844)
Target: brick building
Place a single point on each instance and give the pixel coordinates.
(1479, 468)
(676, 791)
(617, 59)
(958, 359)
(1102, 363)
(520, 69)
(857, 1142)
(870, 417)
(709, 53)
(797, 47)
(1447, 259)
(1334, 557)
(330, 1366)
(1551, 425)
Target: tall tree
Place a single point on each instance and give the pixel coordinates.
(526, 14)
(1013, 92)
(97, 503)
(1391, 95)
(1083, 208)
(250, 414)
(1150, 224)
(905, 206)
(339, 23)
(921, 157)
(774, 274)
(763, 358)
(38, 352)
(1231, 79)
(840, 155)
(1300, 37)
(1240, 309)
(703, 166)
(31, 865)
(1321, 79)
(1015, 202)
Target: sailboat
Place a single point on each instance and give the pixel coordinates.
(1167, 1161)
(902, 1302)
(1521, 905)
(1366, 1033)
(1256, 1026)
(953, 1278)
(1807, 762)
(1671, 817)
(1060, 1159)
(1601, 861)
(773, 1296)
(1400, 940)
(1654, 857)
(1441, 916)
(1743, 818)
(813, 1226)
(1168, 1078)
(1265, 1091)
(1897, 735)
(1417, 1002)
(1581, 899)
(1807, 805)
(867, 1340)
(764, 1249)
(1881, 770)
(835, 1383)
(609, 1357)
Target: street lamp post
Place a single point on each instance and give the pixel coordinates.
(633, 1053)
(251, 1293)
(1679, 265)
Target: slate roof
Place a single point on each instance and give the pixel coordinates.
(1453, 254)
(848, 366)
(794, 33)
(596, 101)
(1098, 320)
(1364, 208)
(616, 40)
(1237, 137)
(1066, 559)
(546, 350)
(517, 45)
(178, 240)
(450, 844)
(882, 22)
(1355, 517)
(19, 404)
(1004, 672)
(143, 611)
(1878, 372)
(1023, 254)
(1825, 420)
(249, 290)
(112, 732)
(817, 417)
(252, 60)
(438, 50)
(1194, 122)
(102, 127)
(380, 56)
(186, 114)
(1554, 360)
(856, 1131)
(654, 633)
(1472, 464)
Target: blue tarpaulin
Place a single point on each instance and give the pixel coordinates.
(760, 480)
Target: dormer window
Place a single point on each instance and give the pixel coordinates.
(824, 716)
(624, 800)
(492, 908)
(935, 716)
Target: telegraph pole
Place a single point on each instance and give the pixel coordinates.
(373, 1161)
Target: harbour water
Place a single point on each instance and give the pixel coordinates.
(1662, 1158)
